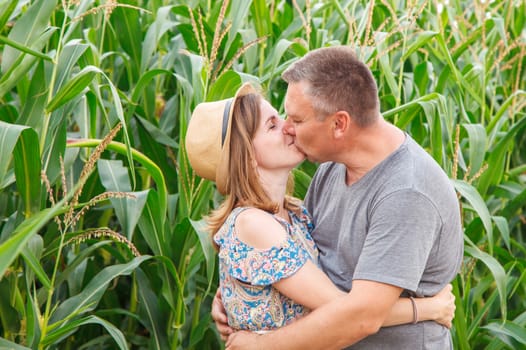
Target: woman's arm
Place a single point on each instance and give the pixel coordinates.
(310, 286)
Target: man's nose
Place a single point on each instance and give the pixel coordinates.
(288, 128)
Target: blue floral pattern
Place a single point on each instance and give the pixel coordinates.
(246, 274)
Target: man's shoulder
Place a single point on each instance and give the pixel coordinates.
(325, 168)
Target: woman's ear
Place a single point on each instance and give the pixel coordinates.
(341, 123)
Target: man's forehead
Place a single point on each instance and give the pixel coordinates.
(287, 103)
(292, 98)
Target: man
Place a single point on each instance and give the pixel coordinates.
(387, 219)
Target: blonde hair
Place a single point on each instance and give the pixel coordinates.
(243, 187)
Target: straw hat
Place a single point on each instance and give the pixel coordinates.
(208, 137)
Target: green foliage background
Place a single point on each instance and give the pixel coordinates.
(106, 249)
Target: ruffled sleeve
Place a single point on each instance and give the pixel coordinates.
(265, 267)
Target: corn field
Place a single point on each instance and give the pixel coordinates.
(102, 243)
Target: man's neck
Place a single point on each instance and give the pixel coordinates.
(369, 147)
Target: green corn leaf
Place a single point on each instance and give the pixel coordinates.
(34, 264)
(505, 108)
(402, 123)
(460, 336)
(73, 88)
(157, 29)
(497, 156)
(502, 225)
(151, 312)
(422, 39)
(151, 167)
(68, 62)
(9, 134)
(6, 344)
(59, 334)
(151, 226)
(27, 170)
(261, 12)
(25, 49)
(9, 317)
(301, 183)
(273, 61)
(477, 143)
(498, 272)
(208, 249)
(27, 30)
(6, 9)
(10, 249)
(82, 256)
(239, 10)
(138, 89)
(169, 271)
(21, 142)
(23, 63)
(477, 202)
(32, 319)
(127, 26)
(35, 100)
(224, 86)
(158, 134)
(114, 177)
(90, 296)
(508, 328)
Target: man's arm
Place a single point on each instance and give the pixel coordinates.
(220, 318)
(335, 325)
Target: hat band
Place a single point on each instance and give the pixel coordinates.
(226, 112)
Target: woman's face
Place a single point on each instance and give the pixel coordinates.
(273, 148)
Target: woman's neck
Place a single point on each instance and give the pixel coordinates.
(275, 185)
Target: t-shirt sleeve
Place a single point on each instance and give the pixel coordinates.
(265, 267)
(403, 228)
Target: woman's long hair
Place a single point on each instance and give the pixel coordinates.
(243, 187)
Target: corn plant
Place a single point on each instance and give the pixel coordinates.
(116, 255)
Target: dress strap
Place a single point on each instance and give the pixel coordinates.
(234, 213)
(238, 210)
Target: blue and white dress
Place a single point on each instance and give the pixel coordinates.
(246, 274)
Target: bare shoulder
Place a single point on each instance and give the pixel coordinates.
(259, 229)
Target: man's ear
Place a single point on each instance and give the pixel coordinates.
(341, 123)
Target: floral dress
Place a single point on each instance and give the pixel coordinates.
(246, 274)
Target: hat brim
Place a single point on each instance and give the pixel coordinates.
(224, 159)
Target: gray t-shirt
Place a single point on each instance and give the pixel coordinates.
(399, 224)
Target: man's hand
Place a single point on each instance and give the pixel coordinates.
(243, 340)
(219, 316)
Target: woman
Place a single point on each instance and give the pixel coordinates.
(268, 260)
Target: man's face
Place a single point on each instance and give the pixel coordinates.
(310, 134)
